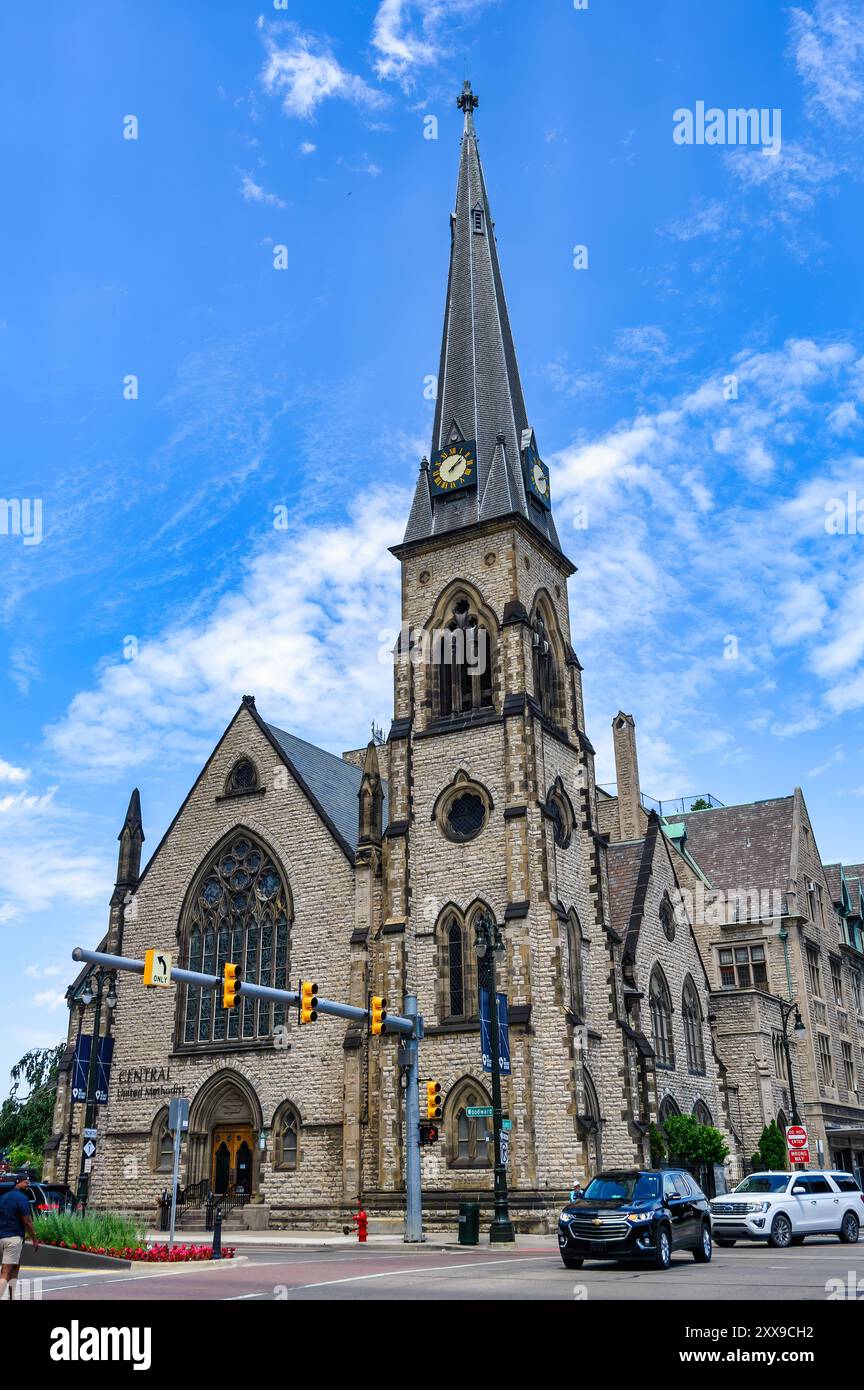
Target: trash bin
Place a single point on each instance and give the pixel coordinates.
(469, 1223)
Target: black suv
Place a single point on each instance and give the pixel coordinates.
(636, 1214)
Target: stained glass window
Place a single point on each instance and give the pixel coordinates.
(240, 911)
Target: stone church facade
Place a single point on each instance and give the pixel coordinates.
(367, 872)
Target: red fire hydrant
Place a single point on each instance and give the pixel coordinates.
(361, 1221)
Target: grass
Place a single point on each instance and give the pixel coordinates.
(103, 1229)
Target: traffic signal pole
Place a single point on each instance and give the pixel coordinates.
(413, 1181)
(409, 1026)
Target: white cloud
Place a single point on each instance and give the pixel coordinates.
(306, 147)
(49, 999)
(828, 47)
(10, 773)
(410, 34)
(302, 72)
(43, 972)
(42, 862)
(254, 193)
(843, 418)
(838, 756)
(304, 622)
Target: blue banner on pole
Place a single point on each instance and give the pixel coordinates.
(486, 1033)
(81, 1068)
(103, 1069)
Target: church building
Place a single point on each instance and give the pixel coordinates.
(367, 872)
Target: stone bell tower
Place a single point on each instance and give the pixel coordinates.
(491, 778)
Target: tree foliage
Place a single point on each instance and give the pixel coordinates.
(772, 1149)
(27, 1112)
(692, 1143)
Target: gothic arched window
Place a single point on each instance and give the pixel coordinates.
(469, 1138)
(575, 1000)
(668, 1108)
(239, 910)
(462, 653)
(243, 777)
(286, 1139)
(692, 1013)
(661, 1018)
(702, 1113)
(546, 686)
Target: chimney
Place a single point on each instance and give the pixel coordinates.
(627, 776)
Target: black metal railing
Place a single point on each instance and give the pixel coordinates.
(236, 1196)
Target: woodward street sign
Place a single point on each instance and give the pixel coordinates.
(478, 1112)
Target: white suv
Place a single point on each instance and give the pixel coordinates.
(785, 1208)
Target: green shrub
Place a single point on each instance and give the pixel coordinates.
(658, 1146)
(97, 1228)
(772, 1149)
(692, 1143)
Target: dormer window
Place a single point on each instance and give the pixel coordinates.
(477, 220)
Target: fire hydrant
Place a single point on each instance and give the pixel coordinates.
(361, 1221)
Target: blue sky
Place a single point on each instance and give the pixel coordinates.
(712, 600)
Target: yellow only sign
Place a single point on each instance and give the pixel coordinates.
(157, 968)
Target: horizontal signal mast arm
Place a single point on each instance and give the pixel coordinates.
(394, 1023)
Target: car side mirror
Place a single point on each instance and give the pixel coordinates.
(799, 1191)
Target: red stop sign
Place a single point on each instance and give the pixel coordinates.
(796, 1136)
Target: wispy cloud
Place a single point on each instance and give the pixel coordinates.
(254, 193)
(302, 71)
(412, 34)
(10, 773)
(827, 44)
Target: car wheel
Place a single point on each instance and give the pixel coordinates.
(797, 1240)
(849, 1229)
(781, 1232)
(722, 1241)
(702, 1253)
(572, 1261)
(663, 1249)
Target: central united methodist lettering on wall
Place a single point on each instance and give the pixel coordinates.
(138, 1083)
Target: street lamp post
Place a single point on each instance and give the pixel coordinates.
(786, 1012)
(488, 942)
(102, 978)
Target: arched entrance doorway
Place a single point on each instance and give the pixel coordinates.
(224, 1126)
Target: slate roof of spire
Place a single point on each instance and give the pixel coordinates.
(479, 391)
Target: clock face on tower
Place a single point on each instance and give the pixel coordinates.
(454, 466)
(537, 476)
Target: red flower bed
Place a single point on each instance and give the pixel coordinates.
(151, 1254)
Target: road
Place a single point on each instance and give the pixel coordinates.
(533, 1272)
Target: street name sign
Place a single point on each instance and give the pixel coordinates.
(478, 1112)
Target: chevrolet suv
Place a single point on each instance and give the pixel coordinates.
(636, 1214)
(784, 1208)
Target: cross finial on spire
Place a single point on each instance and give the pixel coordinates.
(467, 102)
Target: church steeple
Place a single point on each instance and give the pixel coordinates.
(480, 401)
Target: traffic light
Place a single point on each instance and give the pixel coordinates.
(308, 1002)
(433, 1100)
(231, 980)
(428, 1132)
(377, 1015)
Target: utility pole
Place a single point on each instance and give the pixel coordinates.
(488, 943)
(103, 977)
(413, 1172)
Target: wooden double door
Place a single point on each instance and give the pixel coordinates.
(231, 1165)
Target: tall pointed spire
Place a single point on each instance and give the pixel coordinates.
(479, 390)
(131, 839)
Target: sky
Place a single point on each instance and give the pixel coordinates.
(222, 280)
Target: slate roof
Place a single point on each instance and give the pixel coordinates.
(742, 847)
(624, 859)
(478, 380)
(854, 876)
(833, 879)
(333, 782)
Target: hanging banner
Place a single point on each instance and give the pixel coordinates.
(486, 1034)
(81, 1068)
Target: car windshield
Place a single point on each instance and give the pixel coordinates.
(764, 1182)
(622, 1187)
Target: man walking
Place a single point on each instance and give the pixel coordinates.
(15, 1222)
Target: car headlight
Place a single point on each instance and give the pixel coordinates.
(758, 1206)
(638, 1216)
(564, 1218)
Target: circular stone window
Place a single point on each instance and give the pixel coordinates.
(465, 816)
(667, 921)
